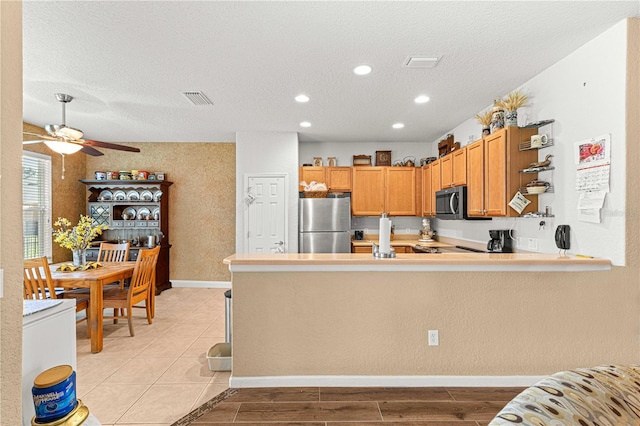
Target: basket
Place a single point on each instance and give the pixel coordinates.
(315, 194)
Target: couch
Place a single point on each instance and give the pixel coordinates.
(603, 395)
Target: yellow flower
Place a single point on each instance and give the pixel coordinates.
(79, 236)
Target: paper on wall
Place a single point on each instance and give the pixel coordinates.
(591, 200)
(589, 215)
(593, 170)
(519, 202)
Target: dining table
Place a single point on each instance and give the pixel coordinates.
(94, 280)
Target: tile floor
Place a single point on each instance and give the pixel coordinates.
(162, 373)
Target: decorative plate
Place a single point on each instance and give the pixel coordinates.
(105, 195)
(157, 195)
(129, 213)
(133, 196)
(119, 195)
(146, 195)
(144, 214)
(156, 213)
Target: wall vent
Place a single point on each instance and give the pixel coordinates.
(422, 61)
(197, 98)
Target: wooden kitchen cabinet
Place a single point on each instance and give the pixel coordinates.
(312, 174)
(446, 171)
(400, 195)
(377, 190)
(493, 165)
(338, 178)
(459, 169)
(367, 196)
(427, 201)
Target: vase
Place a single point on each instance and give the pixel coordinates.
(79, 257)
(497, 120)
(511, 118)
(486, 131)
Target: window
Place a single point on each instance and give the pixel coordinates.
(36, 205)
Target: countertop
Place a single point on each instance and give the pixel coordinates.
(423, 262)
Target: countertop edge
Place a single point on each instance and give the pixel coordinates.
(443, 262)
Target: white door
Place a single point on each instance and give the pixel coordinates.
(266, 214)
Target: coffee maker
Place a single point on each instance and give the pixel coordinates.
(500, 241)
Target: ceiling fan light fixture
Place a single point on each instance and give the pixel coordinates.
(63, 148)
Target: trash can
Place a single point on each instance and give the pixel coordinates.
(219, 355)
(227, 316)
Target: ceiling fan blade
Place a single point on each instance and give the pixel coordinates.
(32, 141)
(110, 145)
(91, 151)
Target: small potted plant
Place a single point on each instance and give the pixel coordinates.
(484, 118)
(510, 104)
(77, 238)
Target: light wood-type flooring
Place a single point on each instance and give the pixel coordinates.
(162, 374)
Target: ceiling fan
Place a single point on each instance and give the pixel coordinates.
(67, 140)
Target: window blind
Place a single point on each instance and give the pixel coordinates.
(36, 205)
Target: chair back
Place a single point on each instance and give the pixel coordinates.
(144, 274)
(38, 283)
(113, 252)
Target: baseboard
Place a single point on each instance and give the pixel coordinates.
(201, 284)
(382, 381)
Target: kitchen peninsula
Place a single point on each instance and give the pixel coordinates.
(351, 320)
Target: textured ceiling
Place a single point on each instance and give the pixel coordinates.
(126, 64)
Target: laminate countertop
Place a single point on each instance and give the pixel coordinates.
(422, 262)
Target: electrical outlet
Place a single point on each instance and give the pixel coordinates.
(532, 244)
(433, 338)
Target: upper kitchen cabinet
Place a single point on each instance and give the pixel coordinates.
(337, 179)
(367, 197)
(377, 190)
(431, 182)
(400, 196)
(454, 168)
(493, 177)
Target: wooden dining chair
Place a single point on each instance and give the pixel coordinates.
(110, 252)
(38, 284)
(140, 289)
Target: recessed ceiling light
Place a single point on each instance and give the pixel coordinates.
(302, 98)
(362, 69)
(421, 99)
(305, 124)
(398, 126)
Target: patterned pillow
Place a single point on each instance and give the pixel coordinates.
(604, 395)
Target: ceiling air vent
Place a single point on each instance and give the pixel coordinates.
(422, 61)
(197, 98)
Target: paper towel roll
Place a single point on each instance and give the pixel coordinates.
(385, 235)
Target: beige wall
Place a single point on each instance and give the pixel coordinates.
(201, 202)
(11, 212)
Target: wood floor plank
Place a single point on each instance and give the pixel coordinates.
(439, 410)
(385, 394)
(223, 412)
(308, 411)
(276, 395)
(484, 394)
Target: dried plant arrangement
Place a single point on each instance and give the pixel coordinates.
(484, 118)
(513, 101)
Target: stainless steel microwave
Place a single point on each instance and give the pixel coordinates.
(451, 203)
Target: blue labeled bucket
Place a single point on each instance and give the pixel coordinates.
(54, 393)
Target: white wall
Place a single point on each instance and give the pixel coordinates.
(267, 152)
(585, 94)
(344, 151)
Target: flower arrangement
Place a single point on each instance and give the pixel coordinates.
(79, 236)
(513, 101)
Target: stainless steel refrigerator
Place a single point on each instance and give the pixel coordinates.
(324, 225)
